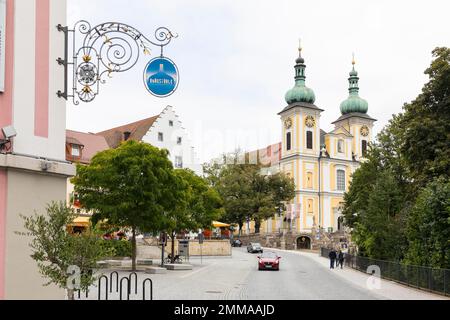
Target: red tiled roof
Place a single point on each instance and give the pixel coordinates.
(92, 144)
(136, 129)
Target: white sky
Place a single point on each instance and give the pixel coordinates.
(236, 62)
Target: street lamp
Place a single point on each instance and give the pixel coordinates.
(103, 50)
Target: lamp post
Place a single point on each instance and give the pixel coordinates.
(104, 49)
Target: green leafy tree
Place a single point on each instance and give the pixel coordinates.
(55, 249)
(133, 186)
(428, 226)
(200, 206)
(248, 194)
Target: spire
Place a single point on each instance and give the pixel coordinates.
(300, 93)
(354, 103)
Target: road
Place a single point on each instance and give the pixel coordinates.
(237, 278)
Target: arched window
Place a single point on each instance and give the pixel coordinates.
(364, 148)
(288, 141)
(309, 140)
(340, 146)
(309, 180)
(340, 180)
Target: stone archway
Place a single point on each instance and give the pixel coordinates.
(304, 243)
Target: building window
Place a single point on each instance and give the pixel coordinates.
(340, 180)
(341, 146)
(160, 136)
(310, 206)
(364, 148)
(75, 150)
(179, 140)
(170, 123)
(309, 180)
(288, 141)
(309, 140)
(178, 162)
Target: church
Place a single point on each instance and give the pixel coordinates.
(321, 163)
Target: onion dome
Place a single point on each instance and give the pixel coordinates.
(354, 103)
(300, 93)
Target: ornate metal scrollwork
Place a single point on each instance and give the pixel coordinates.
(103, 50)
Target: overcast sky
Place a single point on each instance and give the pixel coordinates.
(236, 62)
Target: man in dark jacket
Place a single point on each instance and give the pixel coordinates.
(332, 255)
(341, 259)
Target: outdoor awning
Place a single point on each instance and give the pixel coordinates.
(217, 224)
(81, 222)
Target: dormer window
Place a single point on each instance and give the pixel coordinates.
(170, 123)
(75, 151)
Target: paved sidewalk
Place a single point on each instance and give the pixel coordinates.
(388, 289)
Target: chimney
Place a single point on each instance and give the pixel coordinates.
(126, 135)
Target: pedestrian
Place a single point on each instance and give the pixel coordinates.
(332, 255)
(341, 259)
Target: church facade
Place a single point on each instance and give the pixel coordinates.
(320, 163)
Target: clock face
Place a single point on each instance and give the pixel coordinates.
(310, 121)
(288, 123)
(364, 131)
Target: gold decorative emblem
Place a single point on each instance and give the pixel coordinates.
(310, 122)
(364, 131)
(288, 123)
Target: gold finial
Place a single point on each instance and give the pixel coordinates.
(353, 60)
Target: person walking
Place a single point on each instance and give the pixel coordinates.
(332, 255)
(341, 259)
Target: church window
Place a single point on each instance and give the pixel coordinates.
(364, 148)
(288, 141)
(309, 180)
(340, 146)
(340, 180)
(310, 206)
(309, 140)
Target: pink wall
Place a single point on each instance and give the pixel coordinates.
(6, 119)
(42, 68)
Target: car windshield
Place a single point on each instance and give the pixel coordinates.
(256, 245)
(269, 255)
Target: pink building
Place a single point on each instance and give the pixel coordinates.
(33, 168)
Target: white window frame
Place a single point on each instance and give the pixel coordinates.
(73, 148)
(338, 182)
(178, 162)
(340, 143)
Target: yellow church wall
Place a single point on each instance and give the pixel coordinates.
(348, 174)
(306, 212)
(335, 202)
(297, 119)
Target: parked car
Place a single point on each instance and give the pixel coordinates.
(269, 261)
(254, 247)
(236, 243)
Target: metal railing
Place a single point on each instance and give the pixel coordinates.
(424, 278)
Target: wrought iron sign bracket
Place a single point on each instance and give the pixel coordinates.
(102, 50)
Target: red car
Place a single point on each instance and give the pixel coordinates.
(269, 261)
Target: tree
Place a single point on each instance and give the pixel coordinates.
(132, 186)
(200, 206)
(55, 249)
(248, 194)
(428, 226)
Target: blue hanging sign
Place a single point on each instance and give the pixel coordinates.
(161, 77)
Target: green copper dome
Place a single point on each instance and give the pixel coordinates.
(300, 93)
(354, 103)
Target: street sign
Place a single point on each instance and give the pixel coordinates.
(161, 77)
(163, 238)
(201, 238)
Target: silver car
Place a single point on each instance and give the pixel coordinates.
(254, 247)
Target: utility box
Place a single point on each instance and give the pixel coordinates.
(183, 248)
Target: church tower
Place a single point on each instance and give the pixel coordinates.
(355, 119)
(301, 141)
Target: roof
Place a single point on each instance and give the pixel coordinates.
(268, 156)
(301, 104)
(354, 114)
(137, 131)
(92, 143)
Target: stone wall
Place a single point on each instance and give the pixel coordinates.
(150, 248)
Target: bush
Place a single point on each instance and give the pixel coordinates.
(121, 248)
